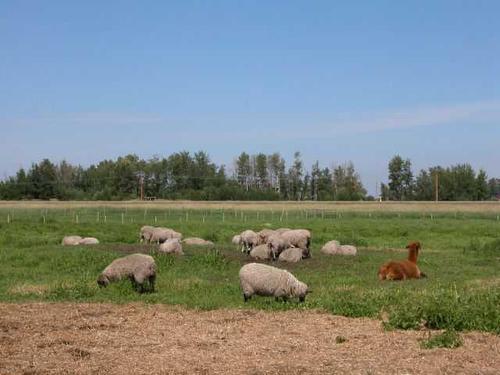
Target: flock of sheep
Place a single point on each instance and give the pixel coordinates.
(284, 244)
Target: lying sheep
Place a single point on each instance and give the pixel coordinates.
(139, 268)
(249, 239)
(261, 252)
(88, 241)
(292, 255)
(331, 247)
(347, 250)
(146, 233)
(236, 240)
(71, 240)
(195, 241)
(171, 246)
(263, 280)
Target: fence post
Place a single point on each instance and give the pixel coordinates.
(8, 218)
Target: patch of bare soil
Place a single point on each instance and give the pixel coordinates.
(42, 338)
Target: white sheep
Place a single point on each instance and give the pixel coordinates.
(261, 252)
(236, 240)
(264, 235)
(88, 241)
(348, 250)
(195, 241)
(263, 280)
(146, 233)
(281, 230)
(71, 240)
(291, 255)
(171, 246)
(300, 238)
(249, 239)
(160, 235)
(331, 247)
(334, 248)
(139, 268)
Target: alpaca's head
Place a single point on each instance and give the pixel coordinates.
(414, 245)
(413, 248)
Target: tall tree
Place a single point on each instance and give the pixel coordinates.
(400, 178)
(482, 189)
(295, 177)
(243, 170)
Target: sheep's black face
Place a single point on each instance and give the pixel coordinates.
(102, 282)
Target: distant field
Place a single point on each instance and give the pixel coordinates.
(461, 255)
(483, 207)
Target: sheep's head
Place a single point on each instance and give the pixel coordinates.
(306, 253)
(301, 289)
(102, 281)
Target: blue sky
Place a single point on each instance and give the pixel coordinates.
(359, 81)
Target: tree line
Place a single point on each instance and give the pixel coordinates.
(458, 182)
(183, 175)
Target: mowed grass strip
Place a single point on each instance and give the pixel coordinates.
(461, 256)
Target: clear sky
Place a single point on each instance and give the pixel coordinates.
(338, 81)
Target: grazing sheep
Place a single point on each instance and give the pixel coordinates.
(261, 252)
(89, 241)
(282, 230)
(263, 280)
(405, 269)
(146, 233)
(300, 238)
(71, 240)
(139, 268)
(160, 235)
(297, 238)
(331, 247)
(171, 246)
(276, 245)
(249, 240)
(264, 235)
(291, 255)
(197, 242)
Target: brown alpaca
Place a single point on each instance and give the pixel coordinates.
(404, 269)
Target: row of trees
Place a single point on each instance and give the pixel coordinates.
(455, 183)
(186, 176)
(254, 177)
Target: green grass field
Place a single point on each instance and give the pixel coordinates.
(461, 256)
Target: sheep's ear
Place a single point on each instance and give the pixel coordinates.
(309, 291)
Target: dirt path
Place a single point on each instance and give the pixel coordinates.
(136, 339)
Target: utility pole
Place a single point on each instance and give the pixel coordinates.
(141, 187)
(436, 176)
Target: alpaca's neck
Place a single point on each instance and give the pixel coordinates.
(412, 255)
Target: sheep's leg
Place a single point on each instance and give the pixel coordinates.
(134, 283)
(246, 297)
(152, 280)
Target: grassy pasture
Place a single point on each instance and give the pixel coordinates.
(461, 256)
